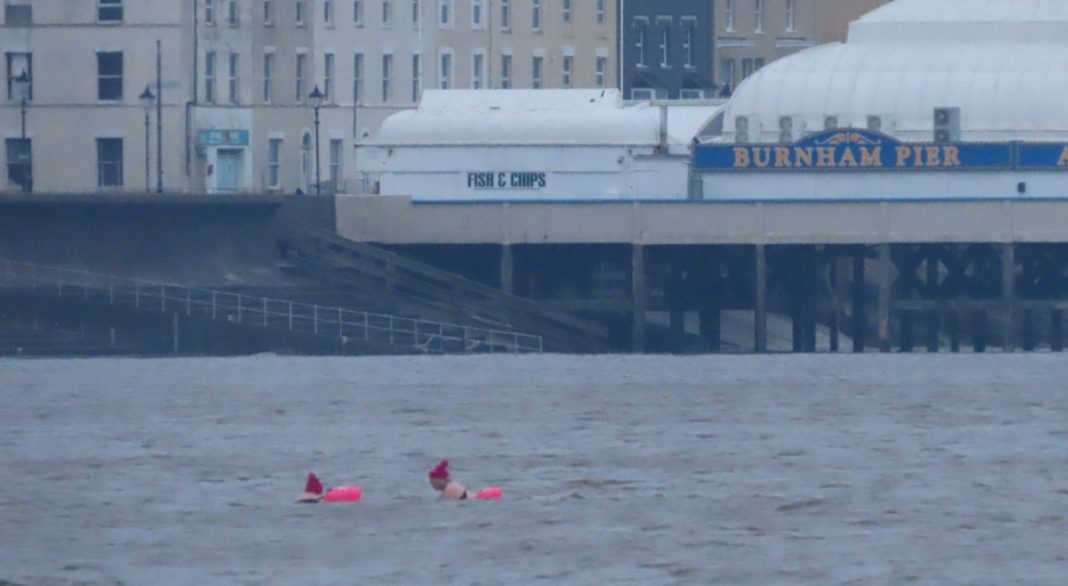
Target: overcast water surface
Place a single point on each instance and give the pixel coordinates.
(743, 470)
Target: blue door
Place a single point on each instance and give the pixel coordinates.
(228, 165)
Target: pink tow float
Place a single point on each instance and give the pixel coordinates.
(343, 494)
(490, 493)
(313, 492)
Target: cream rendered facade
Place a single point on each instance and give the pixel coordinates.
(73, 112)
(752, 33)
(237, 74)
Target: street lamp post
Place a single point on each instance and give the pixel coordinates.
(22, 88)
(147, 100)
(317, 97)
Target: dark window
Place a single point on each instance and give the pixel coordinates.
(17, 63)
(18, 14)
(109, 76)
(20, 163)
(109, 10)
(109, 162)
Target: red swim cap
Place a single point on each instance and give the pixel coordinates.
(441, 470)
(313, 485)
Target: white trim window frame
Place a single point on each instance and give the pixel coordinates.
(234, 88)
(417, 77)
(641, 29)
(446, 68)
(445, 13)
(357, 77)
(387, 78)
(478, 15)
(478, 69)
(268, 78)
(357, 12)
(300, 70)
(109, 11)
(506, 71)
(209, 77)
(537, 71)
(274, 162)
(329, 61)
(328, 13)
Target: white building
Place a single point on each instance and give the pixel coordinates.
(236, 116)
(535, 145)
(970, 76)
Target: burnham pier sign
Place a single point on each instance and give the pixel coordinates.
(863, 150)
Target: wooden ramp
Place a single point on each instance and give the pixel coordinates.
(434, 292)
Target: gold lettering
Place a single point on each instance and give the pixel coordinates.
(848, 158)
(803, 156)
(782, 158)
(741, 157)
(825, 157)
(762, 157)
(951, 156)
(918, 156)
(872, 158)
(904, 153)
(934, 158)
(1064, 158)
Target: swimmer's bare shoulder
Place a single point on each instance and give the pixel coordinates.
(454, 491)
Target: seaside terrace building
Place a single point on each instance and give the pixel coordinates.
(236, 76)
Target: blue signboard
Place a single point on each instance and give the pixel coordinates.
(853, 150)
(1043, 156)
(222, 138)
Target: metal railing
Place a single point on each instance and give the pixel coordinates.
(278, 314)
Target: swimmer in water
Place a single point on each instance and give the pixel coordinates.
(439, 479)
(313, 490)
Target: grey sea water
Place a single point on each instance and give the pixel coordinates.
(757, 470)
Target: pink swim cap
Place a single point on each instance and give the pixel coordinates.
(441, 470)
(313, 486)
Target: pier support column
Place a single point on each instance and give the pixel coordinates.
(832, 277)
(712, 304)
(1056, 331)
(1008, 294)
(1028, 337)
(932, 316)
(859, 309)
(507, 269)
(885, 285)
(760, 313)
(637, 293)
(906, 342)
(979, 331)
(953, 326)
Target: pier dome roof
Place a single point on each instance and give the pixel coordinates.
(1004, 63)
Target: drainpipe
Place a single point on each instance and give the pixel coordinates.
(662, 147)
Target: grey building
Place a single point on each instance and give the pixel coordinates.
(667, 49)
